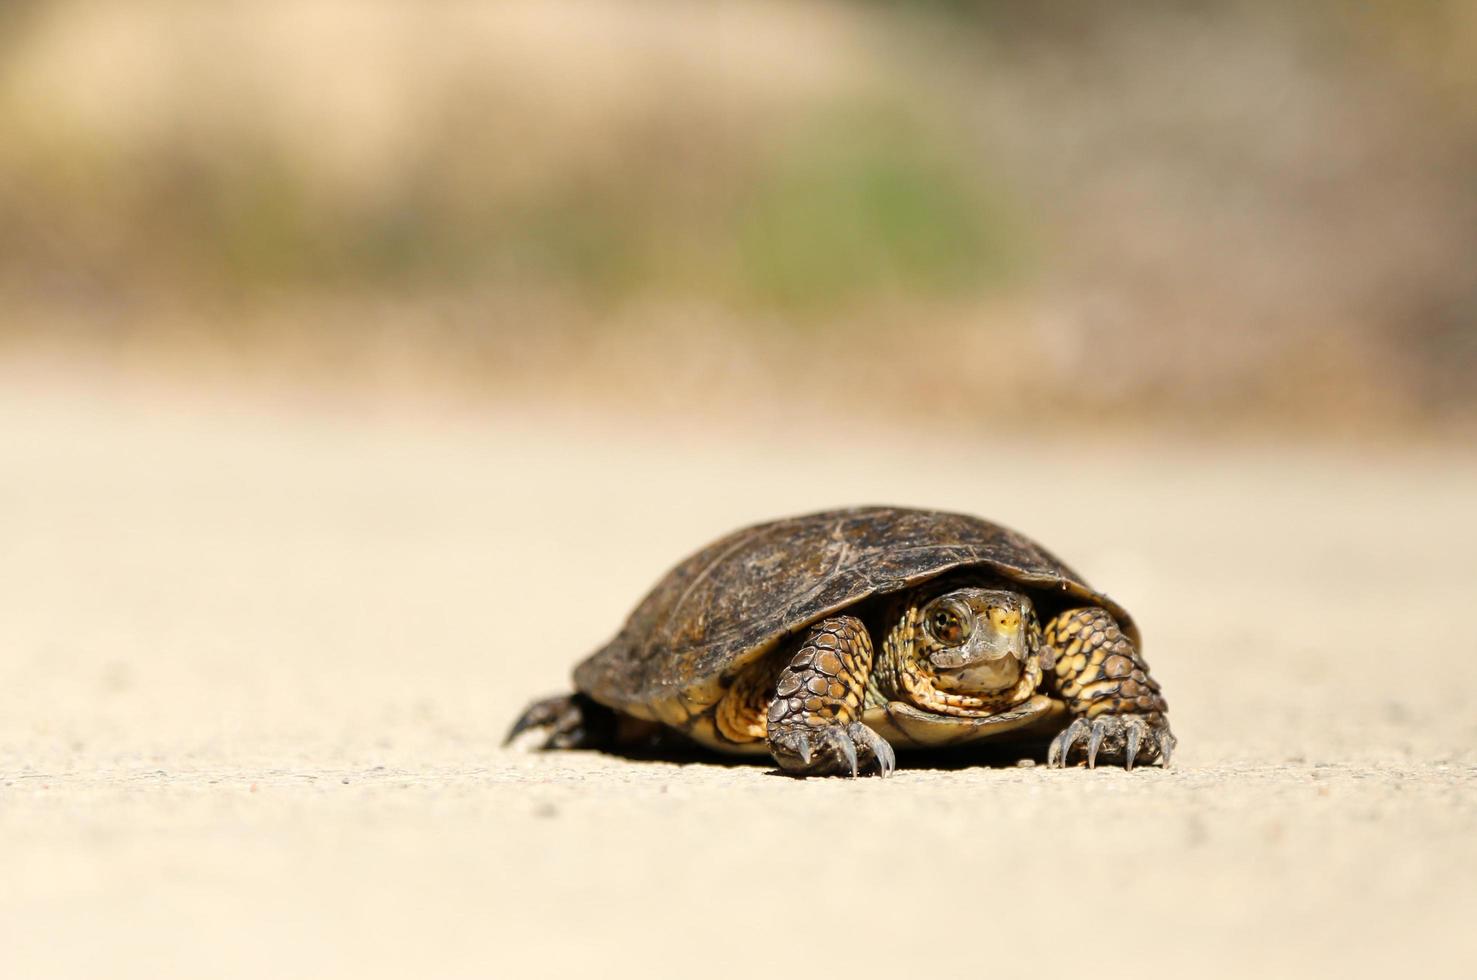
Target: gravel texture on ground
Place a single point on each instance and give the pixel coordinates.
(256, 664)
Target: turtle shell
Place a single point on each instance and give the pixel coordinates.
(733, 601)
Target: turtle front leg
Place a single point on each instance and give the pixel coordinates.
(1120, 713)
(813, 725)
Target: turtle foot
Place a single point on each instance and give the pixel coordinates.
(810, 720)
(1116, 738)
(833, 750)
(568, 721)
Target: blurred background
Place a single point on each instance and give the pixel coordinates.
(362, 362)
(1242, 216)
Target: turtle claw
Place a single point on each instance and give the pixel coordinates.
(569, 721)
(1167, 743)
(1061, 746)
(882, 752)
(848, 752)
(874, 748)
(554, 714)
(833, 751)
(1095, 742)
(802, 749)
(1129, 738)
(1131, 749)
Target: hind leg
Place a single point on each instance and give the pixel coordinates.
(569, 721)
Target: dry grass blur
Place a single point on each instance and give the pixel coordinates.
(1248, 215)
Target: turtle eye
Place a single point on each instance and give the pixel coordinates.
(948, 621)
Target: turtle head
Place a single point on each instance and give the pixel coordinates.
(977, 640)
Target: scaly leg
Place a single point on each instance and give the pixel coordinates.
(568, 721)
(1119, 711)
(813, 720)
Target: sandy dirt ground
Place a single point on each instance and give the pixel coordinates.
(256, 662)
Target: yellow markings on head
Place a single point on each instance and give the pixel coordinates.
(1005, 620)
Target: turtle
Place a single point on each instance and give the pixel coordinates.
(828, 640)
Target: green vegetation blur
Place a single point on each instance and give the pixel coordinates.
(1246, 213)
